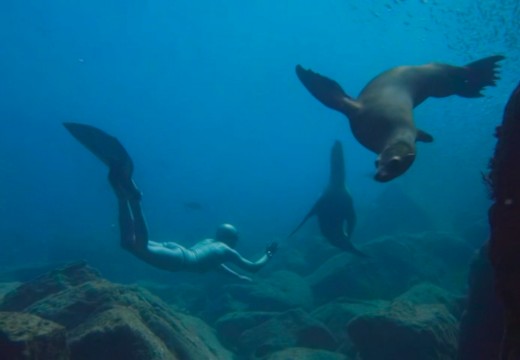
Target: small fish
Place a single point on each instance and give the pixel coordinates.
(193, 205)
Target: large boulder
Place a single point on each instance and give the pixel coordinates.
(384, 216)
(406, 332)
(429, 294)
(231, 326)
(279, 291)
(337, 314)
(7, 288)
(301, 353)
(48, 284)
(482, 323)
(26, 336)
(97, 313)
(395, 264)
(294, 328)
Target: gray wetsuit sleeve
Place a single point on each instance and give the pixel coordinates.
(248, 265)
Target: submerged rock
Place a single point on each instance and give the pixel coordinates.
(48, 284)
(26, 336)
(406, 332)
(110, 321)
(300, 353)
(504, 247)
(7, 288)
(482, 323)
(231, 326)
(390, 208)
(429, 294)
(395, 264)
(337, 314)
(294, 328)
(280, 291)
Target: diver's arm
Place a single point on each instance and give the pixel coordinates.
(227, 270)
(251, 266)
(245, 264)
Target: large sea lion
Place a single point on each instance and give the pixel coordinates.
(381, 117)
(335, 209)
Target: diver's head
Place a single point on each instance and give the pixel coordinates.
(227, 234)
(394, 161)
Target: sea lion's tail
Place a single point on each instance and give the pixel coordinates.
(357, 252)
(337, 165)
(327, 91)
(345, 244)
(479, 74)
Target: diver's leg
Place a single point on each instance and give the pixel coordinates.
(122, 183)
(140, 227)
(126, 225)
(126, 221)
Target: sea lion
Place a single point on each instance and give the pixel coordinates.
(381, 119)
(335, 207)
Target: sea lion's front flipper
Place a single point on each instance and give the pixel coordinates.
(478, 75)
(310, 214)
(327, 91)
(423, 136)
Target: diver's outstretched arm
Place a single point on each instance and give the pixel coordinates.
(227, 270)
(251, 266)
(248, 265)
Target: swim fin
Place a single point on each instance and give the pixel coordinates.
(104, 146)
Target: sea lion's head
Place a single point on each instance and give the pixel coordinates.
(394, 161)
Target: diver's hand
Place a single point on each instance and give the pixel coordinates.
(271, 249)
(245, 278)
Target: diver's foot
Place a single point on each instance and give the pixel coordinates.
(123, 186)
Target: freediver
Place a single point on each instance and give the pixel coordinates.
(206, 255)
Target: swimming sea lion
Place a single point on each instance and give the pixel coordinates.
(381, 119)
(335, 207)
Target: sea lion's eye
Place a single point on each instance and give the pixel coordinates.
(394, 163)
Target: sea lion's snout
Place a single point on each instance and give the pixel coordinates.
(393, 167)
(383, 176)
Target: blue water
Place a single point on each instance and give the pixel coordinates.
(204, 96)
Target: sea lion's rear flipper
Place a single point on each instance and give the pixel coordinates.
(327, 91)
(352, 249)
(345, 244)
(110, 151)
(423, 136)
(310, 214)
(478, 75)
